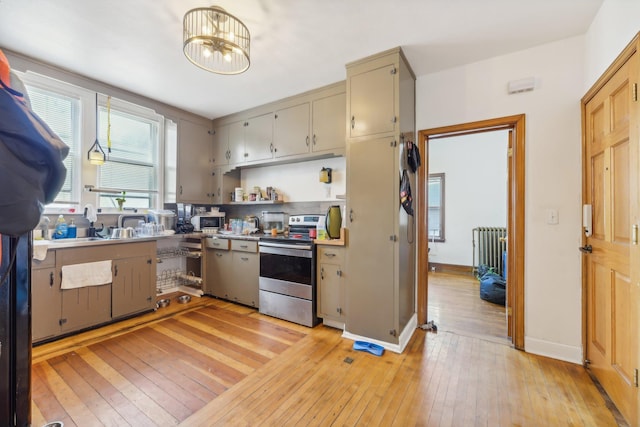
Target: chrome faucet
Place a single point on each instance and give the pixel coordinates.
(43, 225)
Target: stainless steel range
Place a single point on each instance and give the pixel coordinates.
(288, 272)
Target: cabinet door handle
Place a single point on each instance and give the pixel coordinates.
(329, 254)
(271, 147)
(339, 273)
(181, 189)
(51, 279)
(322, 273)
(218, 255)
(353, 122)
(115, 273)
(350, 215)
(244, 258)
(307, 140)
(314, 139)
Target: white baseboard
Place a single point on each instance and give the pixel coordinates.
(554, 350)
(405, 336)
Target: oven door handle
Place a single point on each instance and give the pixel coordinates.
(285, 246)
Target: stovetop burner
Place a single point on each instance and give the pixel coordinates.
(299, 226)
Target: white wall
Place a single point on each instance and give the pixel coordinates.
(552, 177)
(612, 29)
(475, 168)
(299, 182)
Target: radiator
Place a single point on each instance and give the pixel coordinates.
(488, 245)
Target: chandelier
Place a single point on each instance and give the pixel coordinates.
(216, 41)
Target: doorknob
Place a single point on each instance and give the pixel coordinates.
(587, 249)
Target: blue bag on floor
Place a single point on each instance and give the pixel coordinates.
(493, 288)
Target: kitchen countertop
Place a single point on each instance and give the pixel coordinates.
(97, 241)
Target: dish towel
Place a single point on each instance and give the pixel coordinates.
(87, 274)
(40, 251)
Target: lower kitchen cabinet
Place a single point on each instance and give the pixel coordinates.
(46, 299)
(130, 291)
(218, 276)
(331, 285)
(232, 270)
(246, 268)
(85, 307)
(57, 311)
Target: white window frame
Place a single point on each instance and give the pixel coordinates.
(30, 79)
(146, 114)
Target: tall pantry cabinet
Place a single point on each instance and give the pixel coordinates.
(380, 296)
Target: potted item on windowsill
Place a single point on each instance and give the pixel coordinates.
(121, 200)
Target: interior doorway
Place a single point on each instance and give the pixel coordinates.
(515, 126)
(467, 228)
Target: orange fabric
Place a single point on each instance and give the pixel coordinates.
(4, 69)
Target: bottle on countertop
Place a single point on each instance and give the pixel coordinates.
(72, 231)
(61, 228)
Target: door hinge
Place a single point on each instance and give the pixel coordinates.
(393, 71)
(62, 321)
(509, 311)
(149, 261)
(510, 152)
(393, 143)
(634, 92)
(635, 377)
(393, 332)
(393, 238)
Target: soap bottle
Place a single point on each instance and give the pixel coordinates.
(61, 228)
(72, 231)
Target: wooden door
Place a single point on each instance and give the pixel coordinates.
(610, 187)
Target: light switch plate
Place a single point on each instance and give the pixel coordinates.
(552, 217)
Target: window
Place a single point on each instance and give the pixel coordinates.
(170, 160)
(133, 163)
(435, 220)
(62, 114)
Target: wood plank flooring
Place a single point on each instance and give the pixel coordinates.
(219, 364)
(455, 306)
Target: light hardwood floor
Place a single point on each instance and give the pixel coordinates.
(223, 364)
(455, 306)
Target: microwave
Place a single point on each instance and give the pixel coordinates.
(208, 221)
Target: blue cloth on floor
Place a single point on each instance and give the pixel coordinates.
(372, 348)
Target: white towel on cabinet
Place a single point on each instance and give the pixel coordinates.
(87, 274)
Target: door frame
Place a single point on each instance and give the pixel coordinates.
(515, 221)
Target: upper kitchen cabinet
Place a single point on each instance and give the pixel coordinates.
(372, 96)
(328, 115)
(251, 140)
(291, 131)
(302, 127)
(195, 147)
(224, 183)
(220, 153)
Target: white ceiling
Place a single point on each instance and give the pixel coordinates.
(296, 45)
